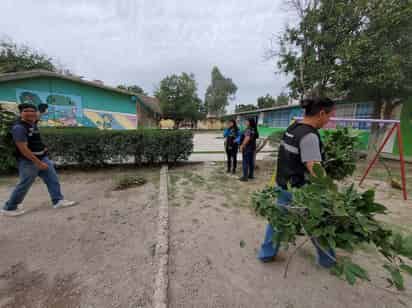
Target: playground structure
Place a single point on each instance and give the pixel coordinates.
(381, 122)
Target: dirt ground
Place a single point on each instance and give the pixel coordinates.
(97, 254)
(215, 237)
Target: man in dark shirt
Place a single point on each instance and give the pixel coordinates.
(32, 162)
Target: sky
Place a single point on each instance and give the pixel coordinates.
(140, 42)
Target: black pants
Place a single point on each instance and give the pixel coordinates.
(248, 163)
(231, 158)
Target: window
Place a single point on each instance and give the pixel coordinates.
(277, 118)
(364, 111)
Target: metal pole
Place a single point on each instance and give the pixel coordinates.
(383, 121)
(405, 195)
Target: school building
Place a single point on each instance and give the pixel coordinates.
(279, 118)
(74, 102)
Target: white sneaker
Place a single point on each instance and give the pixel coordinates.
(64, 203)
(14, 213)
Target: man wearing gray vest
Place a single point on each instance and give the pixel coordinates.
(32, 161)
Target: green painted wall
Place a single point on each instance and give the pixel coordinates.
(92, 98)
(363, 135)
(406, 129)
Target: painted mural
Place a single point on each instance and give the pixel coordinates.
(110, 120)
(65, 110)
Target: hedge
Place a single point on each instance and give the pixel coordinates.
(93, 147)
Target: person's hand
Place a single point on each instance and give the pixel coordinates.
(42, 166)
(242, 148)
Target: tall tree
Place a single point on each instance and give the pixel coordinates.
(179, 99)
(133, 88)
(356, 49)
(243, 108)
(15, 58)
(220, 92)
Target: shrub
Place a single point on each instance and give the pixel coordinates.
(92, 147)
(7, 159)
(340, 152)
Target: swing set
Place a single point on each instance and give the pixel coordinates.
(396, 127)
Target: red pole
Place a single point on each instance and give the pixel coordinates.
(377, 154)
(405, 195)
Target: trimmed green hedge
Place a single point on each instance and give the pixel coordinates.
(92, 147)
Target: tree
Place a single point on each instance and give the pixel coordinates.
(266, 101)
(282, 99)
(243, 108)
(178, 98)
(14, 58)
(220, 92)
(133, 88)
(357, 49)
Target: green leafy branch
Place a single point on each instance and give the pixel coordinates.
(338, 218)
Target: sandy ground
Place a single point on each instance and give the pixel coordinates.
(100, 253)
(97, 254)
(214, 241)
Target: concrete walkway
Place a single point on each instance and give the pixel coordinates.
(210, 147)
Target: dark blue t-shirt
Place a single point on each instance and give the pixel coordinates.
(25, 132)
(251, 146)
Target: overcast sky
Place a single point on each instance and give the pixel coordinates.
(142, 41)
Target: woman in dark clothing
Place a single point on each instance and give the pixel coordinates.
(232, 139)
(248, 149)
(300, 149)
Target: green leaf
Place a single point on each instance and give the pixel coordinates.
(369, 195)
(397, 242)
(350, 276)
(337, 270)
(406, 247)
(319, 171)
(406, 268)
(340, 211)
(396, 276)
(358, 271)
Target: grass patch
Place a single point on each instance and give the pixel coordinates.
(173, 179)
(194, 178)
(129, 181)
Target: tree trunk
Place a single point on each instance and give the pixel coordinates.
(383, 110)
(375, 130)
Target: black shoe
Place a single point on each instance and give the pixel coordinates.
(251, 177)
(243, 179)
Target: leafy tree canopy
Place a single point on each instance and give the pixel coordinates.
(15, 58)
(220, 92)
(179, 99)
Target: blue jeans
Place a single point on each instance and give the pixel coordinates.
(270, 250)
(28, 172)
(248, 164)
